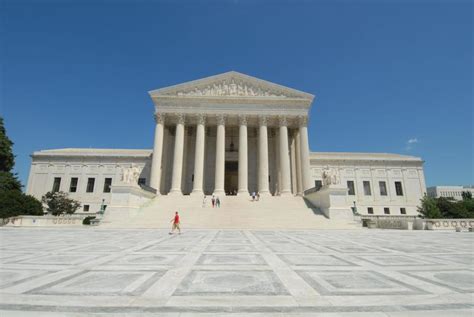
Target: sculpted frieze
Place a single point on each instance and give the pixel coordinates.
(232, 88)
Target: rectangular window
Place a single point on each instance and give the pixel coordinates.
(367, 190)
(398, 188)
(85, 208)
(318, 184)
(383, 188)
(370, 210)
(90, 185)
(386, 211)
(56, 184)
(350, 186)
(142, 181)
(403, 211)
(107, 184)
(73, 185)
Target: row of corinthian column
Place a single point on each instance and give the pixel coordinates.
(302, 157)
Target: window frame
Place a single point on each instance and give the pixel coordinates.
(56, 185)
(75, 185)
(107, 185)
(385, 192)
(351, 190)
(398, 190)
(90, 185)
(318, 184)
(369, 191)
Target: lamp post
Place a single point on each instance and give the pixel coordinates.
(102, 207)
(354, 209)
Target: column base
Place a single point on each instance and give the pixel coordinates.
(219, 192)
(264, 193)
(286, 194)
(175, 192)
(196, 193)
(243, 193)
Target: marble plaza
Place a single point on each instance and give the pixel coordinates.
(131, 272)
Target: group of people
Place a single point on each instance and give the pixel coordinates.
(255, 196)
(215, 201)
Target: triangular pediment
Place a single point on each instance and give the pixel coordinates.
(231, 84)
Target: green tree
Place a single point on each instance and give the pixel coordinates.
(9, 182)
(466, 195)
(12, 201)
(59, 203)
(447, 206)
(15, 203)
(429, 208)
(7, 159)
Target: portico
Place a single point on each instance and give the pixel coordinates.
(230, 134)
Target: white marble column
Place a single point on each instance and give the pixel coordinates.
(299, 177)
(155, 174)
(304, 150)
(178, 157)
(294, 182)
(220, 156)
(284, 159)
(243, 157)
(199, 156)
(263, 184)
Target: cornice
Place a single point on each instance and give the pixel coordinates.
(231, 84)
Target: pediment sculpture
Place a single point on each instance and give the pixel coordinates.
(230, 88)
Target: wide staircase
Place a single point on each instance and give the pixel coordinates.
(235, 212)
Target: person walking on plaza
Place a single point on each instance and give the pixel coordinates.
(176, 223)
(258, 196)
(253, 196)
(213, 201)
(204, 202)
(218, 202)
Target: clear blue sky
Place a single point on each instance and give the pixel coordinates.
(76, 74)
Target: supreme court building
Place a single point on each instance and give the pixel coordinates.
(231, 134)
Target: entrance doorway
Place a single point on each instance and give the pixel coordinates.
(231, 181)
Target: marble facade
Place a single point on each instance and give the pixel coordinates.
(231, 134)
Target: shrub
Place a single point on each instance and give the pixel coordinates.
(87, 220)
(15, 203)
(59, 203)
(429, 208)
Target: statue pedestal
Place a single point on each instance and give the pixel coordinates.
(125, 201)
(332, 201)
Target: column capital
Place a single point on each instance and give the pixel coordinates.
(303, 121)
(220, 119)
(201, 118)
(242, 119)
(180, 118)
(159, 117)
(282, 121)
(262, 120)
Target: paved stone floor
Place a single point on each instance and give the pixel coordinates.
(94, 271)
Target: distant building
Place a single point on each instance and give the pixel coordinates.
(454, 192)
